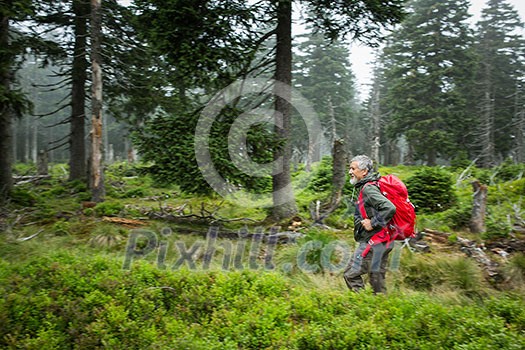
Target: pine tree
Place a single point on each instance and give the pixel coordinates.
(324, 76)
(14, 103)
(427, 64)
(499, 82)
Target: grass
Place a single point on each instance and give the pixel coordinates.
(73, 298)
(181, 290)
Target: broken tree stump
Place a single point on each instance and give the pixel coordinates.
(479, 206)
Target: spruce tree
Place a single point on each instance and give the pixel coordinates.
(427, 64)
(324, 76)
(499, 82)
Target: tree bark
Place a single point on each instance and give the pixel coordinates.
(376, 121)
(284, 205)
(96, 172)
(338, 172)
(42, 163)
(77, 144)
(477, 221)
(519, 117)
(487, 157)
(6, 131)
(520, 136)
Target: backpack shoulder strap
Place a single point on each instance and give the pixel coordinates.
(361, 201)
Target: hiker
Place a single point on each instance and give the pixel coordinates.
(369, 259)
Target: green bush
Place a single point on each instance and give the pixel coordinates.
(109, 208)
(496, 227)
(61, 228)
(321, 179)
(70, 301)
(509, 171)
(514, 271)
(431, 190)
(458, 217)
(23, 196)
(322, 176)
(24, 169)
(174, 161)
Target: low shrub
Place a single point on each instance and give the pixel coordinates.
(431, 190)
(66, 300)
(109, 208)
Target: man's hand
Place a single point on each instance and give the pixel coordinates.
(367, 224)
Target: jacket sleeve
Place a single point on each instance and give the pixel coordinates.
(378, 208)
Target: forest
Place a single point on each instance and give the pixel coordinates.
(174, 173)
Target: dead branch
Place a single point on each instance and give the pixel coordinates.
(464, 172)
(23, 239)
(19, 180)
(53, 112)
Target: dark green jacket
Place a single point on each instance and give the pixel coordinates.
(379, 209)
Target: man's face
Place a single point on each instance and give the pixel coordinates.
(356, 174)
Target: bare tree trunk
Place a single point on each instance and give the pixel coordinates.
(77, 143)
(283, 197)
(376, 122)
(17, 154)
(338, 172)
(486, 137)
(409, 158)
(6, 128)
(34, 148)
(313, 155)
(26, 135)
(431, 157)
(520, 142)
(42, 163)
(96, 173)
(519, 125)
(333, 121)
(477, 221)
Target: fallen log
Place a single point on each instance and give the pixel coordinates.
(470, 248)
(20, 180)
(436, 236)
(128, 223)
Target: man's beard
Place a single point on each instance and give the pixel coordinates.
(353, 180)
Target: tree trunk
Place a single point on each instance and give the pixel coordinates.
(34, 139)
(333, 121)
(42, 163)
(519, 124)
(487, 157)
(431, 157)
(6, 131)
(96, 172)
(520, 137)
(376, 123)
(338, 172)
(283, 197)
(477, 221)
(26, 136)
(77, 145)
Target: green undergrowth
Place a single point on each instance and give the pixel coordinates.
(66, 285)
(75, 300)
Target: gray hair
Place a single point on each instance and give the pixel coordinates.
(363, 162)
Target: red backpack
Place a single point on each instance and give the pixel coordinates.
(402, 225)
